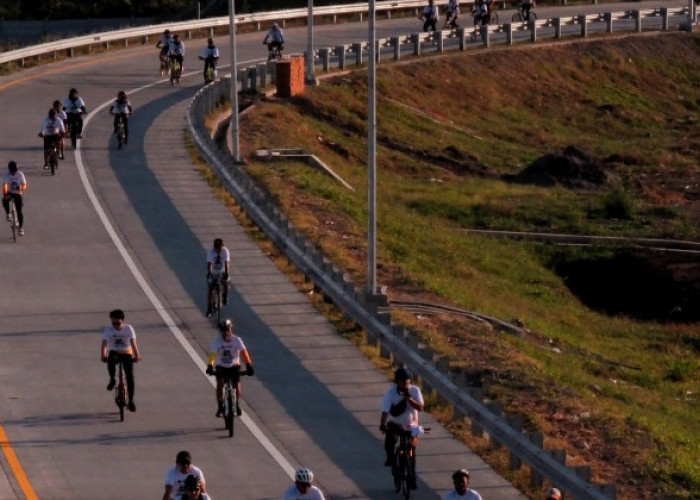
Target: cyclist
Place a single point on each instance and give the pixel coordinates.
(52, 129)
(429, 16)
(74, 107)
(224, 360)
(164, 44)
(60, 114)
(460, 478)
(13, 186)
(176, 476)
(210, 56)
(119, 344)
(400, 406)
(526, 6)
(218, 260)
(481, 12)
(303, 487)
(121, 107)
(451, 14)
(176, 52)
(274, 38)
(193, 490)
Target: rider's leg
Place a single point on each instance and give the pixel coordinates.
(6, 206)
(47, 148)
(219, 393)
(239, 412)
(18, 207)
(412, 464)
(126, 128)
(390, 444)
(111, 368)
(128, 362)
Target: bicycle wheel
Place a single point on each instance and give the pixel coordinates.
(517, 17)
(53, 161)
(13, 222)
(533, 16)
(231, 408)
(120, 394)
(217, 303)
(404, 476)
(120, 133)
(73, 135)
(494, 18)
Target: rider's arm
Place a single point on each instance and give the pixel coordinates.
(210, 358)
(135, 348)
(246, 357)
(168, 490)
(103, 350)
(414, 398)
(382, 421)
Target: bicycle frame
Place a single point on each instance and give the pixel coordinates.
(402, 469)
(121, 132)
(14, 222)
(120, 391)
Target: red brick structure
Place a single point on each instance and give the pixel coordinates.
(290, 77)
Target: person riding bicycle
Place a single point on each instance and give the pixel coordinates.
(224, 361)
(303, 487)
(461, 491)
(210, 56)
(176, 476)
(481, 12)
(119, 344)
(13, 186)
(164, 43)
(429, 16)
(218, 260)
(451, 14)
(52, 130)
(121, 107)
(176, 52)
(61, 115)
(274, 38)
(526, 6)
(74, 106)
(400, 406)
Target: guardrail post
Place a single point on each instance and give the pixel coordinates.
(557, 27)
(637, 15)
(357, 49)
(325, 56)
(583, 24)
(485, 35)
(415, 40)
(377, 51)
(533, 30)
(664, 18)
(144, 40)
(361, 18)
(340, 52)
(516, 422)
(261, 69)
(508, 28)
(242, 78)
(440, 41)
(497, 409)
(396, 44)
(608, 21)
(536, 478)
(71, 52)
(462, 36)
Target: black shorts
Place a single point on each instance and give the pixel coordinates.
(49, 141)
(233, 373)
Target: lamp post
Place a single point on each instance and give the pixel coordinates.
(310, 44)
(234, 83)
(371, 157)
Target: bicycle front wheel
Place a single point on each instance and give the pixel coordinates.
(533, 16)
(517, 17)
(405, 472)
(13, 223)
(494, 18)
(231, 400)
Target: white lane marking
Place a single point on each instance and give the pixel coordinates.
(254, 429)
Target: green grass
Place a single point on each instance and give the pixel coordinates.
(491, 116)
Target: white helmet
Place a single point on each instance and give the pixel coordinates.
(304, 476)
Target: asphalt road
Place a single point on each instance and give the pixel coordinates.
(129, 229)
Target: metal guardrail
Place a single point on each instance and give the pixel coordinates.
(203, 24)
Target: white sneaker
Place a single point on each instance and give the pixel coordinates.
(21, 231)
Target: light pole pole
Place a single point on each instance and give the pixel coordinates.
(234, 83)
(310, 44)
(371, 157)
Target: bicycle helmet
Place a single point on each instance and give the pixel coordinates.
(224, 325)
(12, 166)
(459, 473)
(121, 95)
(304, 476)
(402, 374)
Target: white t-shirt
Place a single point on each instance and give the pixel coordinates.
(313, 493)
(73, 106)
(176, 479)
(14, 181)
(468, 495)
(430, 12)
(119, 340)
(165, 41)
(61, 115)
(217, 259)
(409, 417)
(52, 126)
(176, 49)
(120, 107)
(210, 52)
(452, 6)
(228, 353)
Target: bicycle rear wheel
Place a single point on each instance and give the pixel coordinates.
(494, 18)
(217, 304)
(231, 408)
(405, 472)
(120, 394)
(14, 225)
(533, 16)
(517, 17)
(53, 161)
(120, 134)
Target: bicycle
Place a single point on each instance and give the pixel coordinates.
(230, 402)
(73, 120)
(274, 51)
(450, 22)
(164, 64)
(14, 221)
(519, 16)
(402, 469)
(175, 72)
(53, 157)
(121, 131)
(120, 391)
(493, 19)
(216, 286)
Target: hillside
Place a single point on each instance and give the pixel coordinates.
(593, 138)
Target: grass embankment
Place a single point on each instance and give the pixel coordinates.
(619, 394)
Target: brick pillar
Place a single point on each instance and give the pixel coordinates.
(290, 77)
